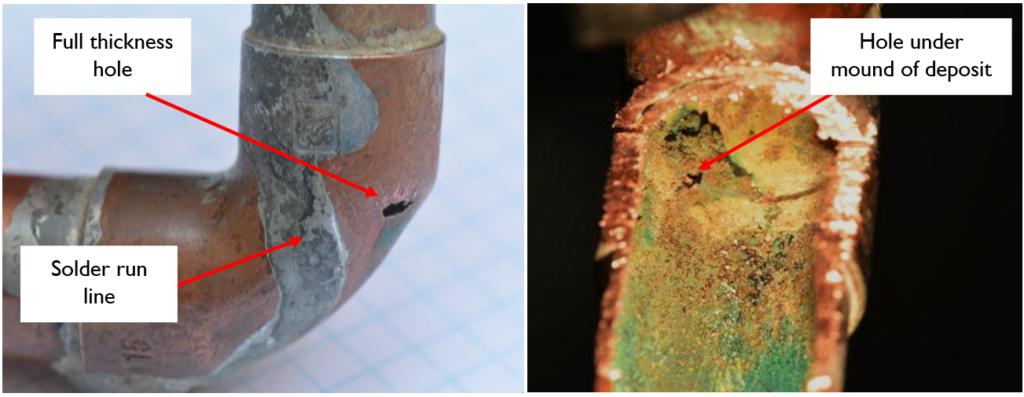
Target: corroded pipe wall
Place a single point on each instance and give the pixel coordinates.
(750, 275)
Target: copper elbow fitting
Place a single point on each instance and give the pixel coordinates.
(353, 89)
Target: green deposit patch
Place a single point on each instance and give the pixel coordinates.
(719, 295)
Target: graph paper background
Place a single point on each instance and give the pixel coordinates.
(443, 313)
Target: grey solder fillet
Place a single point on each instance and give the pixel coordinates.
(313, 108)
(92, 233)
(309, 96)
(52, 213)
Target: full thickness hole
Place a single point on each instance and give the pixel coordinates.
(396, 208)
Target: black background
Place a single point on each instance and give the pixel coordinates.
(942, 304)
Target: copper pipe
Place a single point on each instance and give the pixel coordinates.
(354, 89)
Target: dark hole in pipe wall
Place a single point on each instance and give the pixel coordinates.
(396, 208)
(692, 179)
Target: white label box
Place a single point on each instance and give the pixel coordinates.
(970, 46)
(135, 56)
(146, 291)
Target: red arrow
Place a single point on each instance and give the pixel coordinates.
(294, 242)
(706, 165)
(368, 190)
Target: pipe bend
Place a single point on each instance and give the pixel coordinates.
(366, 112)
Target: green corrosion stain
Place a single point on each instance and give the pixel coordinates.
(783, 365)
(647, 235)
(393, 227)
(719, 292)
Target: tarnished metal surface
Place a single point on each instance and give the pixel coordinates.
(382, 21)
(24, 340)
(293, 198)
(747, 276)
(345, 30)
(213, 221)
(51, 213)
(357, 91)
(400, 161)
(32, 341)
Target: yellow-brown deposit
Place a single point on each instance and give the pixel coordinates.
(720, 295)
